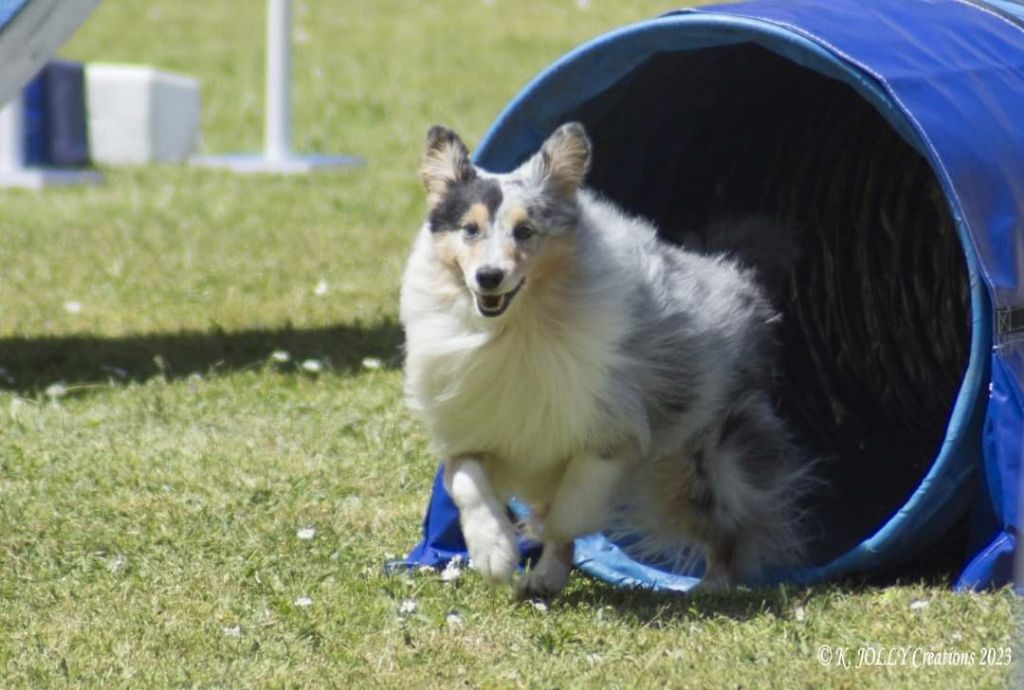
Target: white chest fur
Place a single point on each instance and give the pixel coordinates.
(528, 395)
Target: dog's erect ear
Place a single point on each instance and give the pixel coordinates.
(563, 160)
(445, 160)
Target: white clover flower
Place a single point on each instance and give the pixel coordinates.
(303, 602)
(56, 391)
(305, 533)
(117, 563)
(452, 571)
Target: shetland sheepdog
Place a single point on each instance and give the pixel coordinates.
(559, 352)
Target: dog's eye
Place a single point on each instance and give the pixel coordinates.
(523, 232)
(471, 231)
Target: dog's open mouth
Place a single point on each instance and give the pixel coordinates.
(495, 305)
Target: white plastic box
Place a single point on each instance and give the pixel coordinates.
(138, 114)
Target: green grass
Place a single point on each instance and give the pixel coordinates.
(156, 463)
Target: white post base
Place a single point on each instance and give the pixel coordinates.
(40, 178)
(291, 165)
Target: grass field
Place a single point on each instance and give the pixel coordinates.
(182, 509)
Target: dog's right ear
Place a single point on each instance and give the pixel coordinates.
(445, 160)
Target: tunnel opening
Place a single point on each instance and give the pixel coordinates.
(876, 325)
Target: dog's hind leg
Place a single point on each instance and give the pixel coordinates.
(720, 571)
(758, 478)
(581, 506)
(489, 534)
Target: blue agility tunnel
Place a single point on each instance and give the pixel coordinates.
(891, 135)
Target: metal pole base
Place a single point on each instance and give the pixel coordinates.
(291, 165)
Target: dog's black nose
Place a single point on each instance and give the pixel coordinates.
(489, 278)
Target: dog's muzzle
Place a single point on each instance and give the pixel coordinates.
(495, 305)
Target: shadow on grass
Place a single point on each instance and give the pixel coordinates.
(649, 607)
(31, 364)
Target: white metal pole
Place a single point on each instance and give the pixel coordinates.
(277, 132)
(277, 156)
(12, 154)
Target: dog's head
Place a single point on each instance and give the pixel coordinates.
(504, 235)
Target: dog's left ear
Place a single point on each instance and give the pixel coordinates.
(564, 159)
(445, 160)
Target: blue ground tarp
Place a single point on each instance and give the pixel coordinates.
(948, 77)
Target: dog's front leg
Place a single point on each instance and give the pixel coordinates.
(489, 535)
(581, 506)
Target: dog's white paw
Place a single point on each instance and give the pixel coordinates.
(545, 579)
(493, 549)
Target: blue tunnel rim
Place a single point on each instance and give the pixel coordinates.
(954, 465)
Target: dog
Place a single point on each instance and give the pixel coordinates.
(558, 351)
